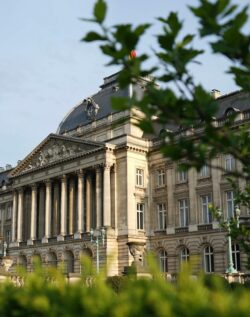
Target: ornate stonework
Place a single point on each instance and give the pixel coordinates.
(55, 151)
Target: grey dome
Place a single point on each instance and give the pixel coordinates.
(78, 116)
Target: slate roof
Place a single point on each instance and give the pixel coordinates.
(4, 177)
(239, 101)
(77, 116)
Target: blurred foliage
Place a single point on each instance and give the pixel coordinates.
(179, 101)
(47, 293)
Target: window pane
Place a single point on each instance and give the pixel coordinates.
(183, 212)
(161, 177)
(140, 216)
(163, 261)
(161, 210)
(184, 255)
(230, 203)
(205, 171)
(206, 214)
(208, 259)
(236, 256)
(139, 177)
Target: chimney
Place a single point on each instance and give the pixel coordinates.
(215, 93)
(8, 167)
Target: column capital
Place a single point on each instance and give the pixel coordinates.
(48, 182)
(98, 169)
(107, 166)
(20, 190)
(34, 186)
(81, 173)
(64, 178)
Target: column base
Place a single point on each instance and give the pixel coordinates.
(60, 238)
(14, 244)
(45, 240)
(77, 235)
(30, 242)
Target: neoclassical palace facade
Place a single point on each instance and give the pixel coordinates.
(100, 171)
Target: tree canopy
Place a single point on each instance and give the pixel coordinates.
(179, 100)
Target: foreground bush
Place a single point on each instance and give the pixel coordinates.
(48, 294)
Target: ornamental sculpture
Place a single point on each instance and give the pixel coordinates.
(55, 151)
(91, 108)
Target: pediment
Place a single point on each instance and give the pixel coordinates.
(53, 149)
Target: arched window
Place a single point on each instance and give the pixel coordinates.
(69, 262)
(184, 255)
(52, 259)
(163, 261)
(208, 259)
(236, 256)
(22, 261)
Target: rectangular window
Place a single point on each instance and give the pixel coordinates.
(182, 176)
(7, 236)
(183, 212)
(206, 214)
(160, 177)
(139, 177)
(230, 203)
(140, 216)
(205, 171)
(9, 211)
(162, 216)
(229, 163)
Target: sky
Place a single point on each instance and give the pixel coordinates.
(45, 70)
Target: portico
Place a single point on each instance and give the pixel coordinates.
(61, 200)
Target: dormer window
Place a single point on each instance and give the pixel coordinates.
(230, 111)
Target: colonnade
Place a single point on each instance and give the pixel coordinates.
(71, 204)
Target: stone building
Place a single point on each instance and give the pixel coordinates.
(100, 171)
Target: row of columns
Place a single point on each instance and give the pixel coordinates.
(102, 202)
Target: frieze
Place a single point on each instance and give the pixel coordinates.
(56, 151)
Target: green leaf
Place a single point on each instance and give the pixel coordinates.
(100, 10)
(93, 36)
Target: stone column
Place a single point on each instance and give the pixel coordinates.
(56, 210)
(71, 205)
(172, 219)
(88, 202)
(98, 193)
(14, 216)
(20, 216)
(63, 228)
(106, 197)
(80, 205)
(48, 209)
(33, 228)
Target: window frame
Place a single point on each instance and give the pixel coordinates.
(207, 172)
(229, 163)
(182, 176)
(163, 260)
(230, 204)
(161, 216)
(140, 216)
(184, 255)
(207, 217)
(208, 259)
(139, 177)
(160, 177)
(183, 210)
(236, 256)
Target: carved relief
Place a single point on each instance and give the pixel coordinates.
(56, 150)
